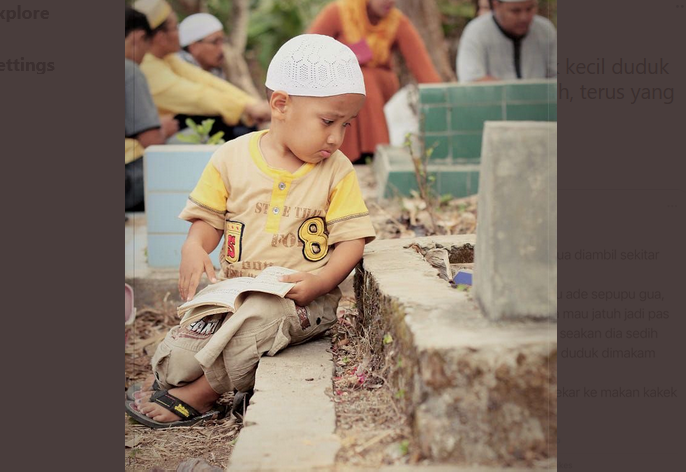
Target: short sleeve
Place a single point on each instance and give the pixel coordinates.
(347, 217)
(207, 201)
(140, 113)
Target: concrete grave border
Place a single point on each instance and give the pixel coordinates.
(478, 391)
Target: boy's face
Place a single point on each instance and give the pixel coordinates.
(315, 126)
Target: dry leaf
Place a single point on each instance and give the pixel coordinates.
(133, 442)
(439, 258)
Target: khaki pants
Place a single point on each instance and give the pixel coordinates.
(227, 348)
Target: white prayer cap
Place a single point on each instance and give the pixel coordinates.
(196, 27)
(156, 11)
(313, 65)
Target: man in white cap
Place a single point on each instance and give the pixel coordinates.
(201, 36)
(280, 197)
(184, 90)
(511, 42)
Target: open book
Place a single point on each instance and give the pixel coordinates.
(221, 297)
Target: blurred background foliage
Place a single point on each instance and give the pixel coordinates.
(273, 22)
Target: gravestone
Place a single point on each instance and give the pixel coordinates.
(515, 266)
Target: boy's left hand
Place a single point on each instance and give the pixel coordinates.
(307, 287)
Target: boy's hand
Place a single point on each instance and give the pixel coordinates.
(307, 287)
(194, 261)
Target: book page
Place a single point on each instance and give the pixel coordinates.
(224, 293)
(270, 277)
(268, 281)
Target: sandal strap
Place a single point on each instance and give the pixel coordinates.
(175, 405)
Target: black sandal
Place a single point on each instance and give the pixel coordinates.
(241, 400)
(189, 415)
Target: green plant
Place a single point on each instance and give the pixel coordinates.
(404, 447)
(445, 198)
(201, 133)
(425, 181)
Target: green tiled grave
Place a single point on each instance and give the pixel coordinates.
(393, 166)
(432, 95)
(543, 112)
(452, 109)
(452, 116)
(436, 118)
(465, 146)
(475, 95)
(472, 117)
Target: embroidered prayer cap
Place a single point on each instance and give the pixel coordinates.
(198, 26)
(156, 11)
(314, 65)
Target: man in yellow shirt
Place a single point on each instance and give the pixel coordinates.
(143, 127)
(180, 88)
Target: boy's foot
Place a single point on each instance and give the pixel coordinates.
(188, 415)
(198, 395)
(142, 389)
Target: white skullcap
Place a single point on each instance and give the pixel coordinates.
(196, 27)
(156, 11)
(313, 65)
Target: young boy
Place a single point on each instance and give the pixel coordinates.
(284, 197)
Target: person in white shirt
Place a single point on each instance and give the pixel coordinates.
(511, 42)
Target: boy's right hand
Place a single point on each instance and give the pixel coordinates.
(194, 261)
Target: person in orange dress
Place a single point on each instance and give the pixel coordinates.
(372, 28)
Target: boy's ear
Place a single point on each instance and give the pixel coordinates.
(279, 102)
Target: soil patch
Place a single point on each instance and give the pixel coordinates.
(372, 429)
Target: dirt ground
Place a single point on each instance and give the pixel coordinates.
(372, 429)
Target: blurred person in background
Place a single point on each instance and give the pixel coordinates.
(201, 37)
(511, 42)
(142, 125)
(372, 29)
(186, 90)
